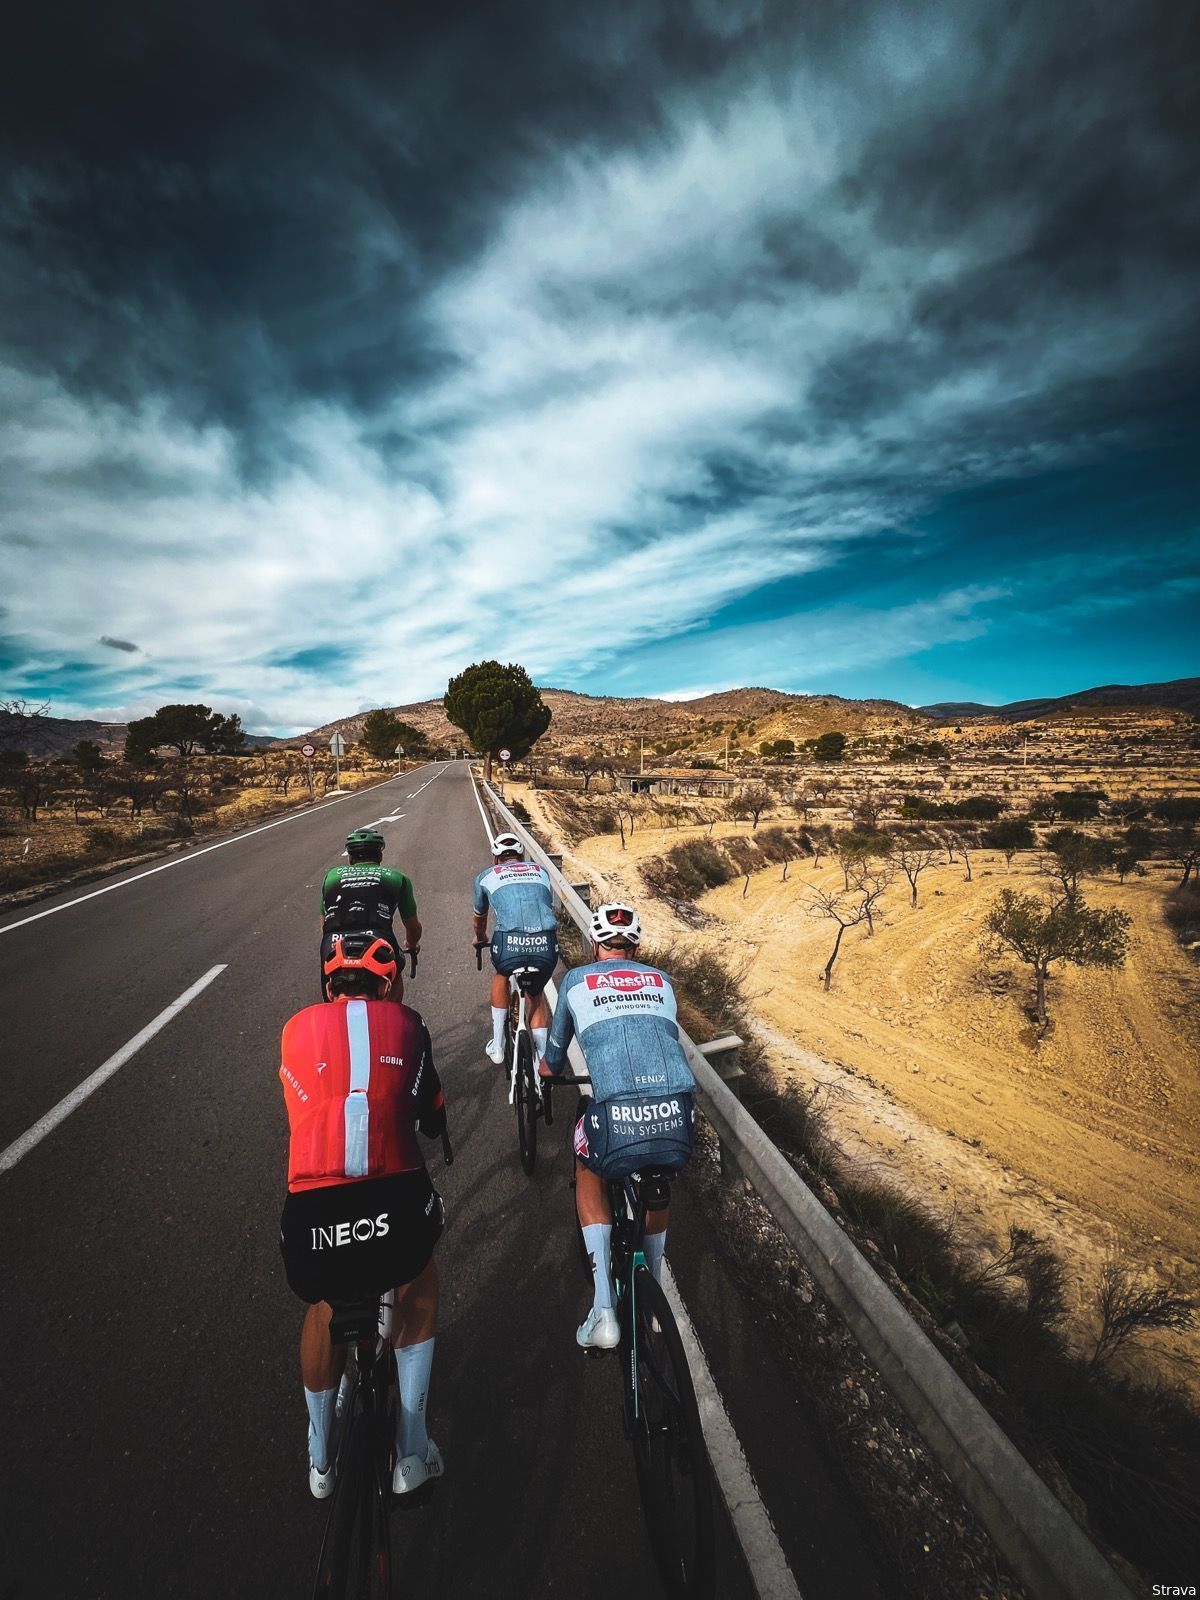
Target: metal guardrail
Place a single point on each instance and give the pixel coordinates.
(1041, 1541)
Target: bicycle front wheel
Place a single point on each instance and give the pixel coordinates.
(525, 1100)
(668, 1444)
(355, 1561)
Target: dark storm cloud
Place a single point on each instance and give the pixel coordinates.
(299, 296)
(119, 644)
(233, 203)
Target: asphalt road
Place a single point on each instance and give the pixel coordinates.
(152, 1439)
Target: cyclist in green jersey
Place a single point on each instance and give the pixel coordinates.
(366, 894)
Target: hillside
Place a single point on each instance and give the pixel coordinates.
(54, 737)
(1180, 694)
(581, 720)
(57, 736)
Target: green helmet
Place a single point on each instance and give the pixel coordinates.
(364, 844)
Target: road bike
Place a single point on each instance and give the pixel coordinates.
(658, 1400)
(356, 1550)
(520, 1067)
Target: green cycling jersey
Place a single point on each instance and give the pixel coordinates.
(365, 894)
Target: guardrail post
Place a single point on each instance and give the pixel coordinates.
(584, 891)
(555, 858)
(723, 1055)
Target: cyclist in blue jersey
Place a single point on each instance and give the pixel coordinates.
(524, 934)
(641, 1113)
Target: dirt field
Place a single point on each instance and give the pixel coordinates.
(1091, 1138)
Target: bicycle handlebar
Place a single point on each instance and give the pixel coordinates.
(480, 946)
(447, 1148)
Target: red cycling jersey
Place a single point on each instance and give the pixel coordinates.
(358, 1078)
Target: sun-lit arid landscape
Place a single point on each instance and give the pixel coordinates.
(924, 1051)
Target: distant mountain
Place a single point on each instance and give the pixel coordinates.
(1180, 694)
(58, 736)
(584, 719)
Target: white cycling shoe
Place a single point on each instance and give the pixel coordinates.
(599, 1330)
(410, 1472)
(320, 1484)
(494, 1053)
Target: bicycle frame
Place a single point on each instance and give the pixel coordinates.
(625, 1194)
(361, 1497)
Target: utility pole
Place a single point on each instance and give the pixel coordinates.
(642, 759)
(727, 752)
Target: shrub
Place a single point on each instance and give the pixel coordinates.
(101, 838)
(687, 869)
(1182, 911)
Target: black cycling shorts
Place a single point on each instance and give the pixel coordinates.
(345, 1241)
(514, 948)
(616, 1137)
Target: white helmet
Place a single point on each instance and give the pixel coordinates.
(615, 923)
(507, 843)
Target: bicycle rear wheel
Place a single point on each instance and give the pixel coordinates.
(355, 1561)
(525, 1100)
(668, 1444)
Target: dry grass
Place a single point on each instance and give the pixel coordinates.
(55, 846)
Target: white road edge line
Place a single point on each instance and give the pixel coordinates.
(44, 1125)
(193, 855)
(769, 1571)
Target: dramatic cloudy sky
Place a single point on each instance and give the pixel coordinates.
(844, 347)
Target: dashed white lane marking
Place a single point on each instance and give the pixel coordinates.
(427, 782)
(192, 855)
(768, 1566)
(34, 1136)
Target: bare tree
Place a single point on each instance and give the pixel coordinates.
(913, 856)
(962, 839)
(869, 883)
(855, 849)
(32, 787)
(754, 799)
(841, 908)
(1128, 1309)
(867, 806)
(21, 721)
(800, 802)
(819, 839)
(625, 810)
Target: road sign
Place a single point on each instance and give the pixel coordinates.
(308, 751)
(337, 746)
(399, 749)
(505, 755)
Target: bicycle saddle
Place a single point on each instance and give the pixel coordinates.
(353, 1320)
(655, 1186)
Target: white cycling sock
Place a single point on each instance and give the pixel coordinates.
(653, 1246)
(320, 1414)
(540, 1035)
(597, 1238)
(498, 1015)
(414, 1362)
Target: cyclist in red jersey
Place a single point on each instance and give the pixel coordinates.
(362, 1216)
